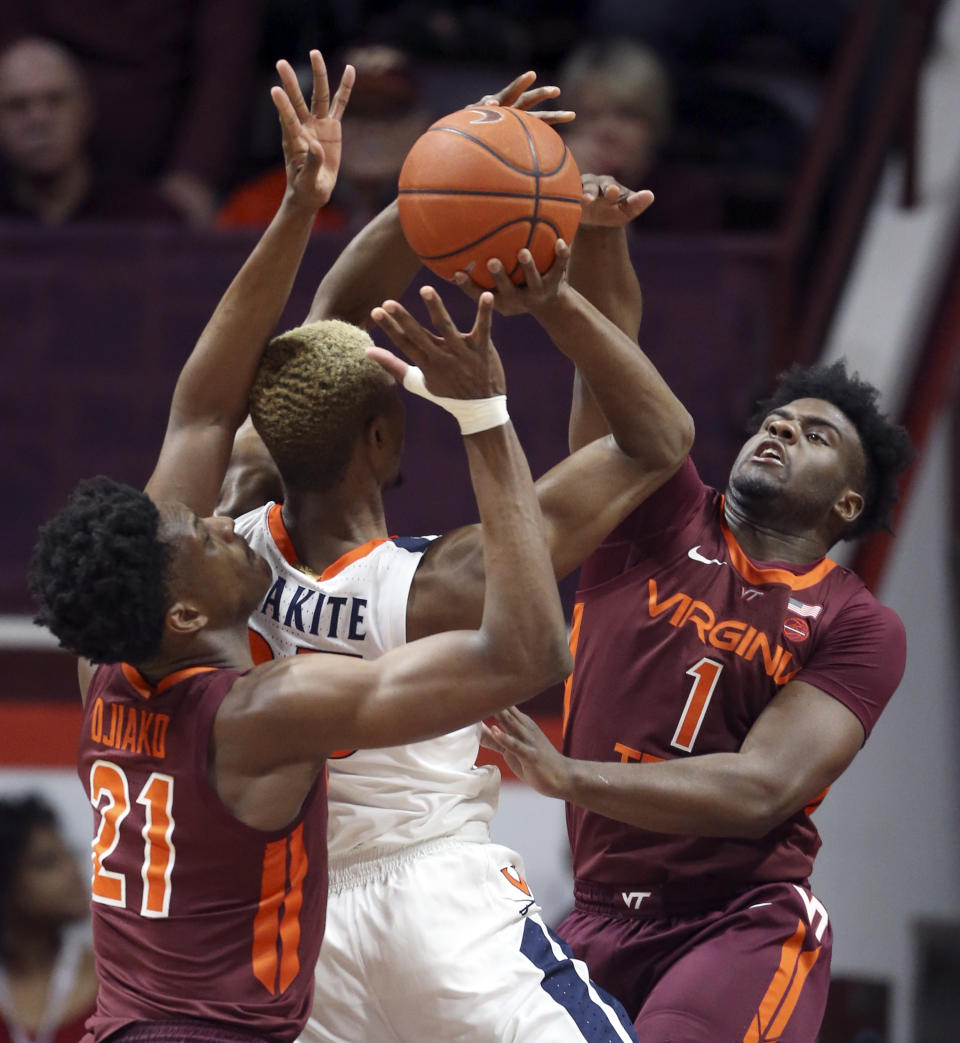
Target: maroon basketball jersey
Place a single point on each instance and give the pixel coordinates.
(680, 641)
(194, 913)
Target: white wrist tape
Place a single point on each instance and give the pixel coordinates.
(473, 414)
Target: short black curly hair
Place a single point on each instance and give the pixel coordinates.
(99, 573)
(19, 817)
(886, 445)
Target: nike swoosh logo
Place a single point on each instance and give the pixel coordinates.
(694, 554)
(487, 115)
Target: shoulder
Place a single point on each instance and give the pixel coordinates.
(447, 590)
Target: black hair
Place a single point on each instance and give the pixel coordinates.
(886, 446)
(99, 573)
(19, 817)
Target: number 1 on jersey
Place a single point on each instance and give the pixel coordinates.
(705, 675)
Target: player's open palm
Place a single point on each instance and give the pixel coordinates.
(312, 140)
(608, 204)
(454, 364)
(529, 754)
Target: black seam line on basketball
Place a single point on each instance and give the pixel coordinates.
(481, 192)
(536, 184)
(533, 149)
(466, 246)
(485, 147)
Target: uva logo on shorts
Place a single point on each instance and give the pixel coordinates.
(510, 874)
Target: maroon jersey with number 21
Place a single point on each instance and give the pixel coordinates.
(195, 914)
(680, 641)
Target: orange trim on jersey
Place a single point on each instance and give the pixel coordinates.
(816, 802)
(574, 641)
(260, 650)
(276, 965)
(145, 689)
(292, 903)
(279, 533)
(266, 926)
(285, 545)
(752, 574)
(351, 556)
(783, 992)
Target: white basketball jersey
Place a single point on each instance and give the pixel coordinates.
(380, 800)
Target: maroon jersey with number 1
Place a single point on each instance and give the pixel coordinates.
(680, 642)
(195, 914)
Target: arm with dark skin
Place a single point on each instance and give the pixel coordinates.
(588, 494)
(798, 746)
(210, 397)
(378, 264)
(601, 269)
(272, 730)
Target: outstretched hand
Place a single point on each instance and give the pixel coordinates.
(608, 204)
(311, 136)
(529, 754)
(521, 94)
(454, 364)
(538, 291)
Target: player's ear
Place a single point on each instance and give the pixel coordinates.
(184, 618)
(848, 506)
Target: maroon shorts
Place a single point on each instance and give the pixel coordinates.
(754, 968)
(183, 1030)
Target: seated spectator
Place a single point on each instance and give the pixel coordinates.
(45, 123)
(621, 95)
(48, 984)
(623, 98)
(172, 86)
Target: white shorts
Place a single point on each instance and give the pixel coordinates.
(445, 942)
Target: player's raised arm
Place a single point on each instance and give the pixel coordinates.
(307, 704)
(210, 399)
(378, 263)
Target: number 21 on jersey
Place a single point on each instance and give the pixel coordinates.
(110, 795)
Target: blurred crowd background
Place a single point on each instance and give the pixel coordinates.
(139, 158)
(133, 111)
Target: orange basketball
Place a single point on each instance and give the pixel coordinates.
(486, 182)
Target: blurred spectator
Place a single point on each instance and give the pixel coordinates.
(621, 94)
(623, 98)
(747, 78)
(48, 984)
(45, 122)
(172, 85)
(385, 117)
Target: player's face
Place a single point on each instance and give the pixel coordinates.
(49, 887)
(213, 565)
(802, 458)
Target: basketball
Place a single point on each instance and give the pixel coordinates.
(487, 182)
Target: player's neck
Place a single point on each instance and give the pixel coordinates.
(325, 526)
(221, 649)
(765, 540)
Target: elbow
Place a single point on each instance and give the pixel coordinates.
(767, 808)
(541, 666)
(678, 439)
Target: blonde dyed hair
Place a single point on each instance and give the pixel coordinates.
(314, 394)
